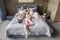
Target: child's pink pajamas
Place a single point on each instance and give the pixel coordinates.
(28, 22)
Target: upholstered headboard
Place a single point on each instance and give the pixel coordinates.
(33, 7)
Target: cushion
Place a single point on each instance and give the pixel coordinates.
(33, 7)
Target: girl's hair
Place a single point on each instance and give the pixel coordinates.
(26, 10)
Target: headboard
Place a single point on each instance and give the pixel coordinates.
(33, 7)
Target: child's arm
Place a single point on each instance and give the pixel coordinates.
(22, 16)
(17, 14)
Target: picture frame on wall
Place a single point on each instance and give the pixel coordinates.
(26, 1)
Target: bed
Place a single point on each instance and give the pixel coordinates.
(17, 30)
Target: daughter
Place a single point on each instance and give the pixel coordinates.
(28, 21)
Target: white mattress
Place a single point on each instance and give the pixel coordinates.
(40, 28)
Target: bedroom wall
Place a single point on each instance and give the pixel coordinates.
(11, 5)
(41, 2)
(57, 17)
(52, 7)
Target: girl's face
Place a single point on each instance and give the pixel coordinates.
(28, 10)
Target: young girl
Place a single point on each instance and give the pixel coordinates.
(21, 15)
(28, 21)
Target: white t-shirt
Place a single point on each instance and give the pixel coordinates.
(28, 16)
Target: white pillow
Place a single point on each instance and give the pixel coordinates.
(33, 8)
(35, 15)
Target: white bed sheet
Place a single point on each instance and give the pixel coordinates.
(40, 27)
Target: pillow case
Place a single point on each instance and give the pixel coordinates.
(33, 7)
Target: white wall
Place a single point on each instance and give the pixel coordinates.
(52, 7)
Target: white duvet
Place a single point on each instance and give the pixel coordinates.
(40, 27)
